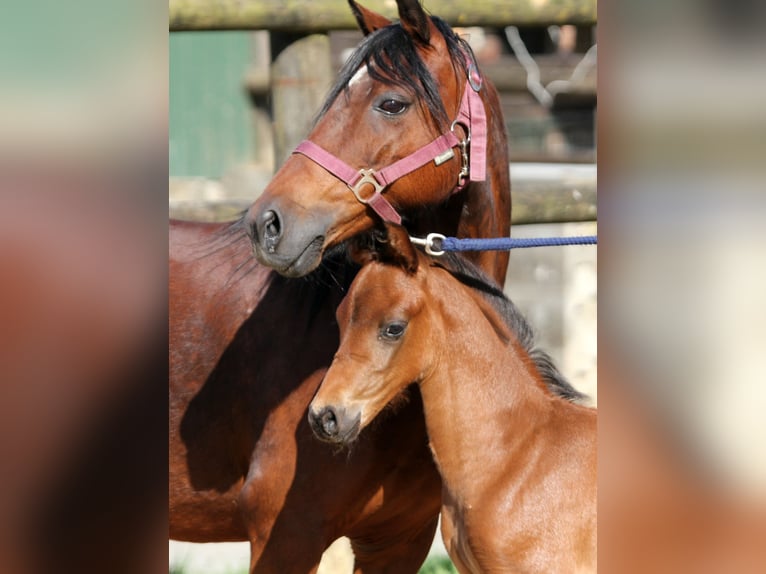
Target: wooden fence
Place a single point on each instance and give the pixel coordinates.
(323, 15)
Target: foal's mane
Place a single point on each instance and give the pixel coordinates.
(391, 57)
(471, 276)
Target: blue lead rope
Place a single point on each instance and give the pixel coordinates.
(436, 244)
(504, 243)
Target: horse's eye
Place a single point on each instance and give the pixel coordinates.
(392, 107)
(393, 331)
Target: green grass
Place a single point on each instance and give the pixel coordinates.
(438, 565)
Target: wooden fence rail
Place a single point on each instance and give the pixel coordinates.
(323, 15)
(542, 193)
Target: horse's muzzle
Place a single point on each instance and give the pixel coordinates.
(291, 248)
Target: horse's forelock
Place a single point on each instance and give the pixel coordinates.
(391, 57)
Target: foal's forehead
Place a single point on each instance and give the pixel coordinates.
(386, 274)
(379, 287)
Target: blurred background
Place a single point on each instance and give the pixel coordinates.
(83, 287)
(682, 478)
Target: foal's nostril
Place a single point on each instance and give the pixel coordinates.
(328, 421)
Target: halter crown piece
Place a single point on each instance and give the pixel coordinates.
(471, 117)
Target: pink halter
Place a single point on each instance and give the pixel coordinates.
(471, 116)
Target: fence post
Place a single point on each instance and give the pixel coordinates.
(258, 82)
(301, 75)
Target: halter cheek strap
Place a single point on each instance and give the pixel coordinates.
(471, 115)
(472, 111)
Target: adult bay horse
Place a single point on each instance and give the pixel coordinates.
(517, 459)
(411, 126)
(249, 347)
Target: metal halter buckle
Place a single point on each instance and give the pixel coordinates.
(367, 176)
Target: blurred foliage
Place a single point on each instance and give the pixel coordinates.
(438, 565)
(434, 565)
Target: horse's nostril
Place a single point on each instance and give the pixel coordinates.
(271, 226)
(329, 422)
(269, 230)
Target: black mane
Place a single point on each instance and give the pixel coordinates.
(391, 57)
(473, 277)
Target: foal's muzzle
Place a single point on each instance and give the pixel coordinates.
(334, 424)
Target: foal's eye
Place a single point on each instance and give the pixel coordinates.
(393, 331)
(392, 107)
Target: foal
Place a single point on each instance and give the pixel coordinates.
(517, 459)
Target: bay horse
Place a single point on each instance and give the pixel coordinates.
(517, 459)
(249, 346)
(410, 127)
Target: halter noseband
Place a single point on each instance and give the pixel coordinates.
(471, 117)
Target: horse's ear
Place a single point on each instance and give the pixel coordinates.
(414, 20)
(361, 250)
(399, 249)
(368, 20)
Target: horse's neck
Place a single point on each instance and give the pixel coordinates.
(500, 441)
(484, 400)
(482, 208)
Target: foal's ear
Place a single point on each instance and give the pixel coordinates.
(414, 20)
(362, 249)
(368, 20)
(399, 250)
(390, 245)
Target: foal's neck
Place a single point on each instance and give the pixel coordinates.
(485, 400)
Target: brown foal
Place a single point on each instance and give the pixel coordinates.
(517, 458)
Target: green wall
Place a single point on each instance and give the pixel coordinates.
(210, 122)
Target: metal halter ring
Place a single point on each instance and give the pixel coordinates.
(474, 78)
